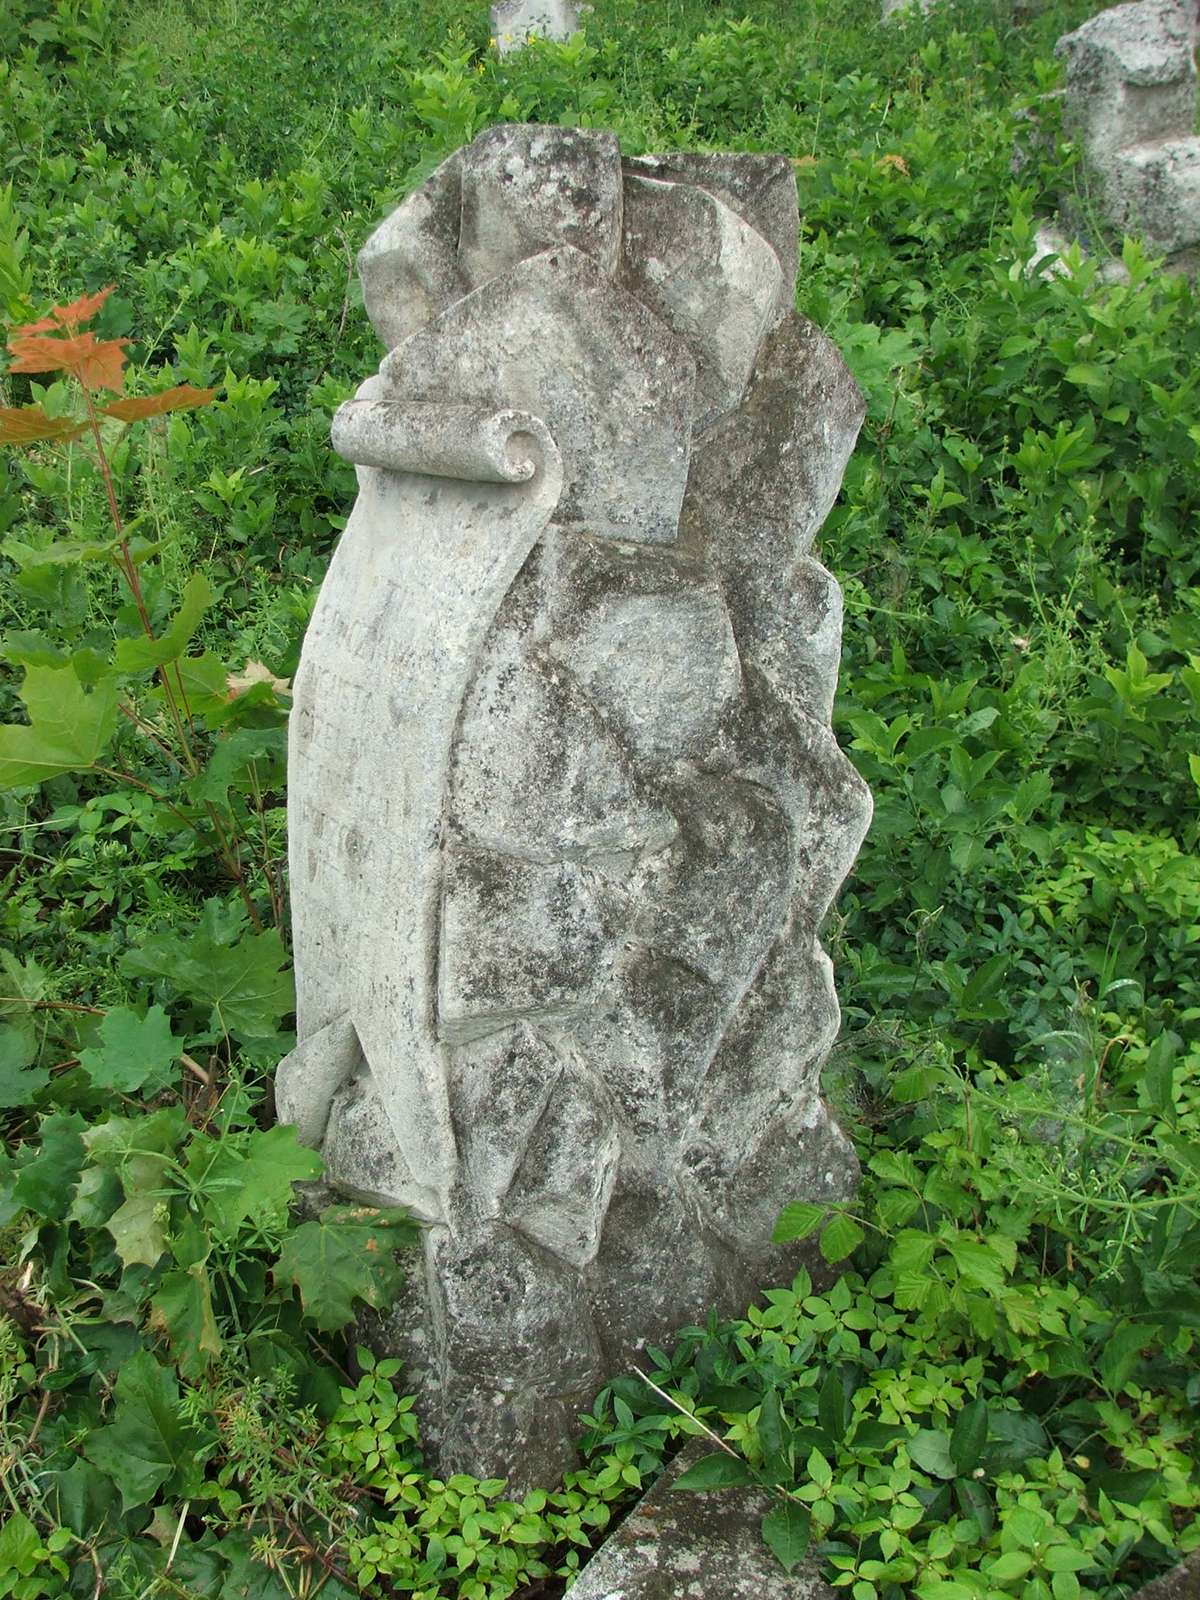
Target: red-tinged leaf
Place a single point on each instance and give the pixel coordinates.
(31, 425)
(96, 363)
(136, 408)
(83, 309)
(103, 367)
(40, 352)
(73, 316)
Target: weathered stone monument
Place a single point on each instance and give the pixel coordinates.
(514, 22)
(566, 812)
(1131, 94)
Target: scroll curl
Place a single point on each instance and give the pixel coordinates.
(478, 444)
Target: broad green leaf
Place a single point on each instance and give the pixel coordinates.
(772, 1432)
(818, 1470)
(1158, 1075)
(20, 1551)
(205, 686)
(254, 1178)
(135, 1052)
(343, 1256)
(716, 1471)
(978, 1263)
(155, 1133)
(1119, 1355)
(786, 1530)
(984, 982)
(929, 1449)
(19, 1081)
(182, 1311)
(85, 1497)
(99, 1194)
(1029, 796)
(69, 728)
(1008, 1567)
(1088, 375)
(969, 1435)
(245, 760)
(139, 1227)
(913, 1251)
(45, 1182)
(1013, 1438)
(60, 553)
(249, 1579)
(974, 1501)
(141, 654)
(1066, 1558)
(24, 982)
(832, 1411)
(148, 1446)
(798, 1221)
(841, 1238)
(244, 977)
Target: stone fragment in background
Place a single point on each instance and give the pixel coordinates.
(566, 811)
(1131, 94)
(514, 21)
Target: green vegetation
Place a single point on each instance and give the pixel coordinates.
(999, 1395)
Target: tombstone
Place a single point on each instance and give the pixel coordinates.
(566, 812)
(1131, 95)
(515, 21)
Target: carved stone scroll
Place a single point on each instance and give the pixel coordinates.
(566, 810)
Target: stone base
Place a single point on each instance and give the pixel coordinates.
(1181, 1584)
(678, 1545)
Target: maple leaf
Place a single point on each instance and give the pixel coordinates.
(135, 408)
(133, 1052)
(244, 977)
(47, 352)
(345, 1255)
(31, 425)
(73, 316)
(97, 363)
(254, 672)
(69, 729)
(103, 367)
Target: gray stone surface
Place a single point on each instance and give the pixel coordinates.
(513, 21)
(1181, 1584)
(680, 1545)
(566, 812)
(1131, 95)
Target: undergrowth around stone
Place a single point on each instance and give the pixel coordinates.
(998, 1395)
